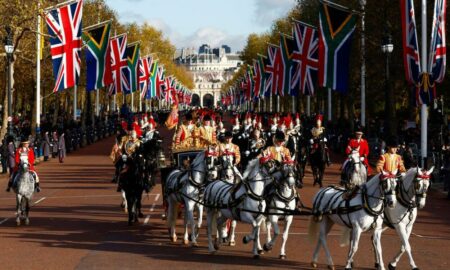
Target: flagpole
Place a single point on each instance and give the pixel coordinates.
(329, 105)
(293, 104)
(132, 101)
(308, 105)
(75, 102)
(97, 92)
(38, 73)
(114, 103)
(140, 103)
(423, 129)
(278, 103)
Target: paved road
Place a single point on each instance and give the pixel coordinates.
(76, 223)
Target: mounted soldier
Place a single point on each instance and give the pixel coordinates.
(318, 136)
(357, 144)
(24, 153)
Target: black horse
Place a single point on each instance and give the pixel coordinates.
(297, 149)
(131, 180)
(318, 159)
(149, 151)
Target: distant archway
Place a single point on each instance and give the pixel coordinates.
(208, 101)
(195, 100)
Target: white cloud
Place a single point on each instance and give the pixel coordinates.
(269, 10)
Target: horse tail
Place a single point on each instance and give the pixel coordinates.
(313, 230)
(172, 221)
(345, 237)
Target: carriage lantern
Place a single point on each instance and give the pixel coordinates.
(161, 159)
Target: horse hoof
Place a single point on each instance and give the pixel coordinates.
(256, 257)
(331, 267)
(267, 247)
(245, 240)
(313, 264)
(186, 242)
(194, 244)
(391, 267)
(260, 251)
(18, 222)
(283, 257)
(216, 246)
(232, 243)
(415, 268)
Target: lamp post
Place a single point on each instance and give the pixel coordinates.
(9, 49)
(362, 3)
(387, 47)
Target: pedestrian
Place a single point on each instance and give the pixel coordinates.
(61, 148)
(54, 144)
(4, 153)
(11, 154)
(46, 146)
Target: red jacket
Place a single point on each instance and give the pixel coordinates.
(362, 146)
(30, 158)
(138, 129)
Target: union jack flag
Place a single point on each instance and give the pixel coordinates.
(306, 55)
(411, 57)
(438, 49)
(159, 81)
(119, 66)
(145, 64)
(64, 25)
(275, 71)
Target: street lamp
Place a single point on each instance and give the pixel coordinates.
(387, 47)
(9, 49)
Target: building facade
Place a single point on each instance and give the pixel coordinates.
(210, 69)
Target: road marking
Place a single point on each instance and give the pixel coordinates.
(83, 196)
(3, 221)
(147, 218)
(40, 200)
(430, 237)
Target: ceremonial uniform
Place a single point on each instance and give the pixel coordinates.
(230, 149)
(183, 136)
(362, 146)
(279, 153)
(207, 135)
(129, 145)
(390, 162)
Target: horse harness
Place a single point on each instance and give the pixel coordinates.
(347, 209)
(407, 202)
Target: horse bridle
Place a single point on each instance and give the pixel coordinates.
(404, 198)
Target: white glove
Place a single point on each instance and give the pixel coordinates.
(362, 158)
(325, 139)
(311, 141)
(403, 174)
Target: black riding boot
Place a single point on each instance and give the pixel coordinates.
(8, 189)
(37, 188)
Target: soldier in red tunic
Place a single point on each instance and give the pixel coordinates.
(360, 144)
(24, 153)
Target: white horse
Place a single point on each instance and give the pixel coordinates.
(231, 175)
(412, 193)
(283, 198)
(356, 215)
(354, 170)
(186, 187)
(24, 189)
(244, 203)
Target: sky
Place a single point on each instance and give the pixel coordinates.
(191, 23)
